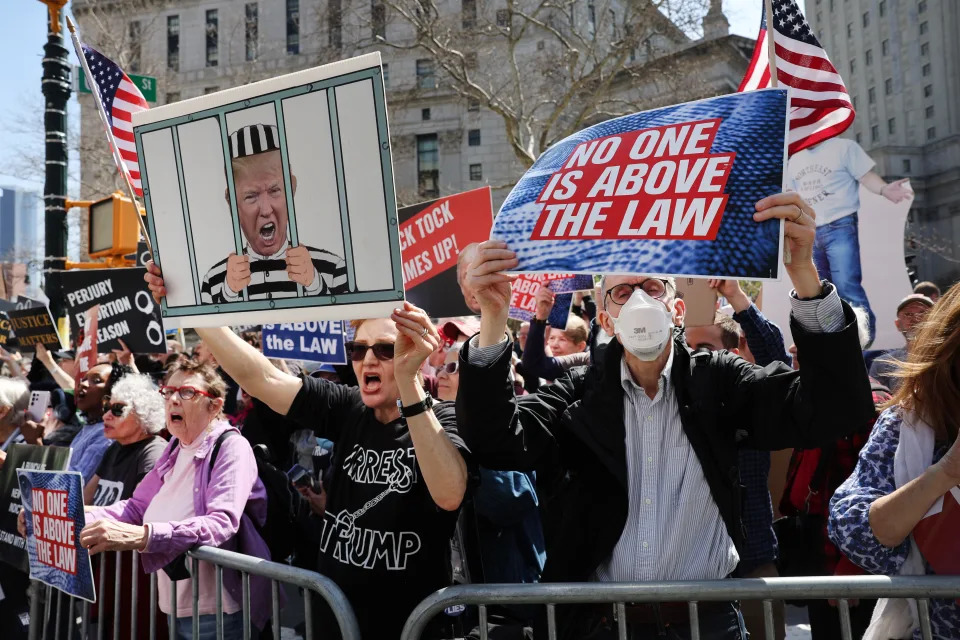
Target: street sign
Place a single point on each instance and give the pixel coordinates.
(146, 84)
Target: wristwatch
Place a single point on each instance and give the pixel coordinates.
(415, 409)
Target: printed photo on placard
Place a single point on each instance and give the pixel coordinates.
(437, 241)
(274, 200)
(127, 310)
(670, 191)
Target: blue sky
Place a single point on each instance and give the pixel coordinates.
(23, 34)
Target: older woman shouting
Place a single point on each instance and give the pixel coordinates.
(185, 501)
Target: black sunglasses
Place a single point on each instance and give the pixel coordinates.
(116, 408)
(358, 350)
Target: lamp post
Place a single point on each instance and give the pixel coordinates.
(56, 92)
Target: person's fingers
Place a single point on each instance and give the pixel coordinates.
(780, 199)
(123, 344)
(417, 315)
(791, 212)
(411, 324)
(714, 283)
(901, 181)
(421, 343)
(492, 267)
(152, 268)
(485, 255)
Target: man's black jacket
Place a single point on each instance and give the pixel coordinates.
(574, 429)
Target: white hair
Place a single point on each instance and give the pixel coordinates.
(14, 394)
(863, 326)
(138, 392)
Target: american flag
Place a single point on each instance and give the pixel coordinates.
(121, 99)
(820, 104)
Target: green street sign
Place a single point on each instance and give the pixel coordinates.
(146, 84)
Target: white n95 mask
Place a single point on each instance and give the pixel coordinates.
(645, 326)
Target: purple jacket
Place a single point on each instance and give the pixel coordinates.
(224, 500)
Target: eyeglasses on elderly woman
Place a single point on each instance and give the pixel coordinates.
(185, 392)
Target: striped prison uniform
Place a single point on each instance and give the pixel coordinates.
(268, 278)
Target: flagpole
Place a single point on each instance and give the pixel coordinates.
(118, 160)
(771, 44)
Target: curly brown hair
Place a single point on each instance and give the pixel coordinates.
(930, 378)
(216, 387)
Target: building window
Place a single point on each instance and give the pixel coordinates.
(378, 19)
(928, 112)
(931, 133)
(883, 8)
(888, 86)
(207, 90)
(853, 66)
(171, 96)
(591, 18)
(868, 57)
(173, 43)
(425, 114)
(906, 165)
(866, 18)
(849, 29)
(819, 18)
(476, 172)
(426, 79)
(855, 102)
(922, 6)
(293, 27)
(885, 47)
(134, 33)
(473, 106)
(926, 70)
(928, 91)
(428, 166)
(212, 37)
(925, 49)
(503, 18)
(252, 31)
(613, 23)
(892, 126)
(871, 95)
(468, 13)
(858, 137)
(874, 133)
(473, 137)
(924, 27)
(334, 24)
(470, 59)
(386, 74)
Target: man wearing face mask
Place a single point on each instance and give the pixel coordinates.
(647, 435)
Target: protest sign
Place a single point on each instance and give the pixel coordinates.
(669, 191)
(53, 502)
(87, 341)
(523, 300)
(23, 302)
(7, 336)
(225, 242)
(432, 236)
(33, 326)
(127, 310)
(320, 341)
(22, 456)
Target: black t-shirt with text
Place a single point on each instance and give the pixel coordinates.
(384, 541)
(123, 467)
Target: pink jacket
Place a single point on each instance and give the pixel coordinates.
(225, 499)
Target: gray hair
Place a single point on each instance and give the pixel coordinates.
(138, 392)
(863, 326)
(14, 394)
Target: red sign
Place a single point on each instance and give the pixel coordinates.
(87, 348)
(652, 184)
(54, 531)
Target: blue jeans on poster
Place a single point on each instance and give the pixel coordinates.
(232, 627)
(836, 252)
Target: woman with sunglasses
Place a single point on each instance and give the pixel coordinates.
(399, 469)
(189, 500)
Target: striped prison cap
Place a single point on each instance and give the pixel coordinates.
(253, 139)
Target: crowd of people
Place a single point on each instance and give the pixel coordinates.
(624, 446)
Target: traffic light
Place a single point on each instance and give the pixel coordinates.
(113, 229)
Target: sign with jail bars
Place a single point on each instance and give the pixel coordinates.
(274, 201)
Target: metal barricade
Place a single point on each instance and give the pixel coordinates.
(56, 616)
(842, 589)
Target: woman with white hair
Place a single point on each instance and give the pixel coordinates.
(14, 399)
(133, 417)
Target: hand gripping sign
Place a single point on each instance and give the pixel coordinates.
(669, 191)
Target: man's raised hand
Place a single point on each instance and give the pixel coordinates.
(154, 280)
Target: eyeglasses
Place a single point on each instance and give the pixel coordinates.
(185, 393)
(654, 287)
(916, 317)
(449, 368)
(118, 409)
(358, 350)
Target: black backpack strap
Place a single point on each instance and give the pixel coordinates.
(216, 446)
